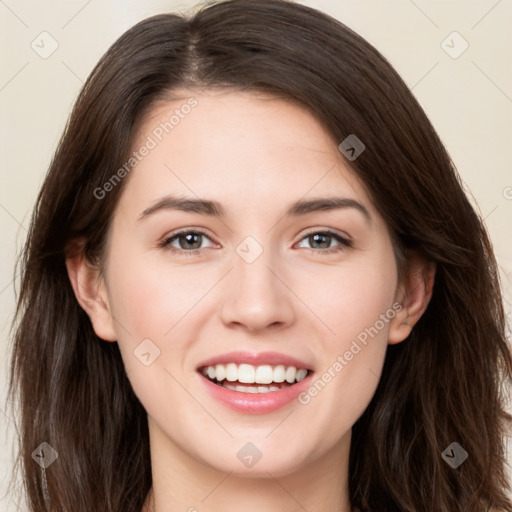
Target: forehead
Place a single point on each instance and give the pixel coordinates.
(240, 148)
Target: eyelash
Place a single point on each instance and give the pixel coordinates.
(344, 243)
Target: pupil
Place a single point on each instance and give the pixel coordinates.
(317, 236)
(188, 238)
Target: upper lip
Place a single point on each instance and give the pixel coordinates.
(255, 359)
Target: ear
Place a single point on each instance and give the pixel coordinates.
(414, 295)
(91, 292)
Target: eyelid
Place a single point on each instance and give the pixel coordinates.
(184, 231)
(330, 231)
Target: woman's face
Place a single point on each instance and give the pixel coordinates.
(261, 279)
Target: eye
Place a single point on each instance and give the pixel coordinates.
(189, 242)
(324, 238)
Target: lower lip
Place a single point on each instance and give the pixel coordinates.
(256, 403)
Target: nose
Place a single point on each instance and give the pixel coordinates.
(258, 296)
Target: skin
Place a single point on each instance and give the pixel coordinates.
(255, 155)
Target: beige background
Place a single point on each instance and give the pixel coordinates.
(468, 99)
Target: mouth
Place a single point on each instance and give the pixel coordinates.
(247, 378)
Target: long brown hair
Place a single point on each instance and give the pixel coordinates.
(446, 383)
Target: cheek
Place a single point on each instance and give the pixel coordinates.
(351, 298)
(146, 307)
(365, 299)
(150, 299)
(152, 307)
(356, 304)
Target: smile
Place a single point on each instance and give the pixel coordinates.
(247, 378)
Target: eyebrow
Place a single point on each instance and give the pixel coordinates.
(216, 209)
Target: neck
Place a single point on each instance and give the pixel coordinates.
(182, 483)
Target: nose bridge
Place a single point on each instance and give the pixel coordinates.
(252, 268)
(256, 297)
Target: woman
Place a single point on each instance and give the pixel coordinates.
(254, 368)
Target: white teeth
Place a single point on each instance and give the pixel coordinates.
(254, 389)
(279, 373)
(290, 374)
(301, 374)
(249, 374)
(220, 372)
(231, 372)
(246, 374)
(246, 389)
(264, 374)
